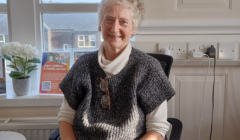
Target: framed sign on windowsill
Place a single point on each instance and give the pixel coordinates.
(2, 76)
(55, 66)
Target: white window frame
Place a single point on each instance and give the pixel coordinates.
(65, 47)
(3, 36)
(101, 38)
(90, 40)
(79, 40)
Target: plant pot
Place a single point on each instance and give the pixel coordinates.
(21, 86)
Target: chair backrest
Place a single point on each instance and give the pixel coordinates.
(166, 63)
(165, 60)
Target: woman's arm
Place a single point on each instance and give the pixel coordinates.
(156, 123)
(65, 118)
(152, 136)
(66, 131)
(157, 120)
(66, 113)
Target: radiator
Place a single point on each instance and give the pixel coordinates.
(34, 128)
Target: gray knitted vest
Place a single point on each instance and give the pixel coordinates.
(135, 91)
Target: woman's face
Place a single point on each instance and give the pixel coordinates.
(117, 27)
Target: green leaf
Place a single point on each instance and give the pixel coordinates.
(20, 58)
(34, 60)
(12, 66)
(7, 57)
(31, 67)
(22, 63)
(15, 74)
(31, 70)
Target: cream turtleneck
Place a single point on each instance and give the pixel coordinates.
(112, 68)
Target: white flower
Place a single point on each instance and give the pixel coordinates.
(17, 49)
(25, 51)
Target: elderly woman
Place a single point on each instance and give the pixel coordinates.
(118, 92)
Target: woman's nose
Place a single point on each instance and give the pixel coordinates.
(115, 27)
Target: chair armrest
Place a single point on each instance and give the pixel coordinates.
(55, 135)
(176, 129)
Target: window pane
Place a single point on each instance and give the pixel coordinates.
(92, 37)
(59, 29)
(1, 37)
(3, 1)
(81, 37)
(71, 1)
(92, 43)
(4, 38)
(73, 29)
(81, 43)
(3, 29)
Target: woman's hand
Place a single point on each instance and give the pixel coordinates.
(152, 136)
(66, 131)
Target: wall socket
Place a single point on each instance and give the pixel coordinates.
(227, 51)
(177, 50)
(200, 47)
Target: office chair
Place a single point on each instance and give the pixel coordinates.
(166, 63)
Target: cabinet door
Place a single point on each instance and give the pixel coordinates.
(192, 9)
(188, 102)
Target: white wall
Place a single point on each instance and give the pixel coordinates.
(192, 9)
(198, 21)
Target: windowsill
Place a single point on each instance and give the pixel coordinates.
(33, 99)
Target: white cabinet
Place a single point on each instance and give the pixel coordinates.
(187, 104)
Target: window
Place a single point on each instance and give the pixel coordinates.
(51, 25)
(65, 47)
(2, 39)
(78, 30)
(70, 1)
(81, 41)
(3, 29)
(92, 40)
(86, 41)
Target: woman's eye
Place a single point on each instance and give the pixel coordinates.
(108, 19)
(124, 22)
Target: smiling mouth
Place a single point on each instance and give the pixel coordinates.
(115, 36)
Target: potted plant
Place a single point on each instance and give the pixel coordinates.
(24, 59)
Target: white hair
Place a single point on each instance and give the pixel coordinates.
(136, 7)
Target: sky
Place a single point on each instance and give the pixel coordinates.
(64, 1)
(3, 1)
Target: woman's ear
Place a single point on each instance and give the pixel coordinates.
(134, 32)
(99, 28)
